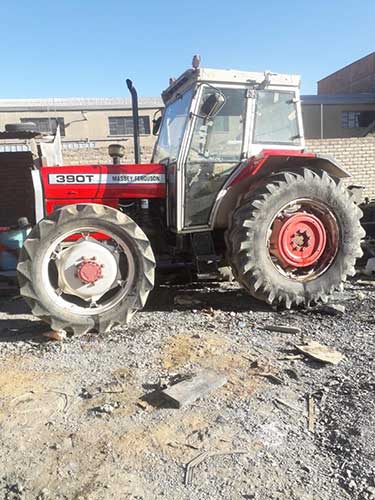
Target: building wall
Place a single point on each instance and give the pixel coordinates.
(98, 154)
(78, 129)
(355, 154)
(331, 126)
(356, 77)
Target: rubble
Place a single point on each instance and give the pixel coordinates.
(148, 436)
(320, 352)
(331, 309)
(197, 386)
(107, 408)
(282, 329)
(58, 335)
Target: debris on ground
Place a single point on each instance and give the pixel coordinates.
(311, 413)
(282, 329)
(138, 448)
(331, 309)
(107, 408)
(58, 335)
(201, 457)
(197, 386)
(209, 311)
(320, 352)
(271, 377)
(290, 357)
(281, 402)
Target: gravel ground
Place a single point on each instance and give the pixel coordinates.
(84, 419)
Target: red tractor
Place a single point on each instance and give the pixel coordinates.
(229, 185)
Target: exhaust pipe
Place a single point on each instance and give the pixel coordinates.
(137, 149)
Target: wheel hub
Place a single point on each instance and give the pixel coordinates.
(298, 240)
(89, 271)
(84, 276)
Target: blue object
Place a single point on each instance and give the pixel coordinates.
(11, 242)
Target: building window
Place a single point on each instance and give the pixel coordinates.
(357, 119)
(123, 125)
(47, 125)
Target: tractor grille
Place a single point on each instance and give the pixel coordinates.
(16, 188)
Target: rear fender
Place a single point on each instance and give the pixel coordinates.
(252, 172)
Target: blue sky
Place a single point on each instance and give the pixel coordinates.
(89, 47)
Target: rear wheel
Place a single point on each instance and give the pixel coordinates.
(295, 239)
(86, 267)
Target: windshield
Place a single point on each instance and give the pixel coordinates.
(276, 118)
(172, 128)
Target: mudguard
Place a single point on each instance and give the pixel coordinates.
(247, 175)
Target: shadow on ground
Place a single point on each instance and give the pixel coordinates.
(16, 326)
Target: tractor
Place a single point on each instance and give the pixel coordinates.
(230, 185)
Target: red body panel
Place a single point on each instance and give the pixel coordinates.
(255, 163)
(104, 184)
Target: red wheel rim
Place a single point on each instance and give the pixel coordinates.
(298, 240)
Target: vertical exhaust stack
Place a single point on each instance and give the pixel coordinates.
(137, 149)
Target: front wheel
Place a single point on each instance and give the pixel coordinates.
(86, 267)
(295, 239)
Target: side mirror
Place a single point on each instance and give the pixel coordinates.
(212, 104)
(156, 122)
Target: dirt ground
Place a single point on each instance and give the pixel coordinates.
(83, 419)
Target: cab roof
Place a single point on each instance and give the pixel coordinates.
(231, 76)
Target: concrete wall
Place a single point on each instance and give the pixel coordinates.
(330, 124)
(99, 153)
(355, 154)
(94, 128)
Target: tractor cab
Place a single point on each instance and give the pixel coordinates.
(214, 120)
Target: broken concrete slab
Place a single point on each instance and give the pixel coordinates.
(320, 352)
(197, 386)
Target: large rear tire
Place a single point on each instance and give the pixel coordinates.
(295, 239)
(86, 267)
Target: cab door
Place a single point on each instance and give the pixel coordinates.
(168, 148)
(213, 151)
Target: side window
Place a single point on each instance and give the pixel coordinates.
(275, 118)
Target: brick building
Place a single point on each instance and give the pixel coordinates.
(357, 77)
(345, 103)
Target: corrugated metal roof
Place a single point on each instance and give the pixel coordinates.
(339, 99)
(76, 103)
